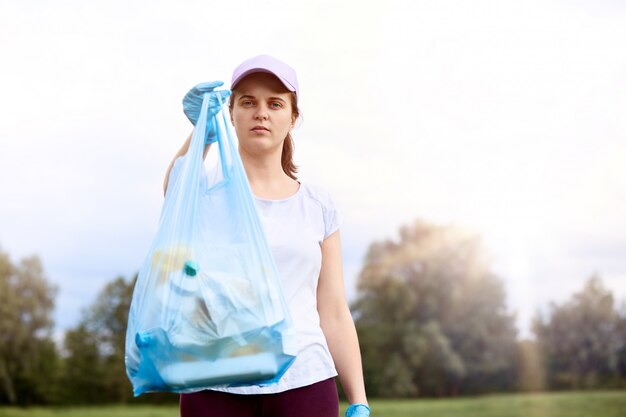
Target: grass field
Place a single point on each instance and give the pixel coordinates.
(567, 404)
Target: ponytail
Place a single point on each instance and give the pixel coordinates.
(286, 159)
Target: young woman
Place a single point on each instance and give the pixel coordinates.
(302, 227)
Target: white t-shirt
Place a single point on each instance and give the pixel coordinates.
(295, 228)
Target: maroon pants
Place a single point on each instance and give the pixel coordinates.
(317, 400)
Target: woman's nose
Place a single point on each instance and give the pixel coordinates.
(261, 113)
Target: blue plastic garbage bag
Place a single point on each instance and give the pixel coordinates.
(208, 308)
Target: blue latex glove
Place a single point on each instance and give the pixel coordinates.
(193, 101)
(358, 410)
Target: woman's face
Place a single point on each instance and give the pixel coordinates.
(262, 113)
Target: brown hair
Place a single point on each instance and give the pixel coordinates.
(286, 159)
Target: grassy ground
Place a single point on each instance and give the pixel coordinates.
(567, 404)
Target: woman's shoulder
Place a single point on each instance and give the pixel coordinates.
(318, 194)
(332, 215)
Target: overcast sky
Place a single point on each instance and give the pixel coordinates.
(504, 117)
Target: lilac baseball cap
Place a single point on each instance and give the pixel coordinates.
(269, 64)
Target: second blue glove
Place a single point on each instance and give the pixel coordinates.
(358, 410)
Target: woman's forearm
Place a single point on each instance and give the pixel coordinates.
(336, 321)
(343, 343)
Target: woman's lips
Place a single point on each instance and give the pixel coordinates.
(260, 129)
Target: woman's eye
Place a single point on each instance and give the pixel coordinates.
(276, 105)
(246, 103)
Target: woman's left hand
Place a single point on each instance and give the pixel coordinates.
(358, 410)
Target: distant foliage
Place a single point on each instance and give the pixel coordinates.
(95, 348)
(432, 318)
(95, 371)
(107, 321)
(87, 369)
(583, 340)
(531, 370)
(28, 357)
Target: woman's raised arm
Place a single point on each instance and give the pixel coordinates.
(182, 151)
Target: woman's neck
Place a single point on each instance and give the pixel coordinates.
(266, 176)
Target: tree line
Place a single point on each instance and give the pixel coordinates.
(86, 368)
(432, 321)
(431, 317)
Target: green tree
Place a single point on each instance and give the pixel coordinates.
(28, 358)
(94, 365)
(108, 320)
(531, 370)
(621, 354)
(580, 339)
(83, 376)
(431, 316)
